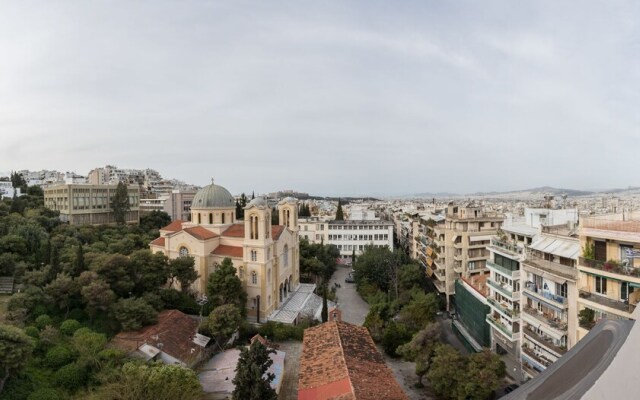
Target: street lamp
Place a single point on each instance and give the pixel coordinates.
(202, 300)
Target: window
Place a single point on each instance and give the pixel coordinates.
(241, 273)
(269, 275)
(210, 218)
(223, 218)
(254, 255)
(285, 256)
(184, 252)
(601, 285)
(625, 290)
(561, 290)
(254, 278)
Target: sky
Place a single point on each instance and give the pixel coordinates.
(326, 97)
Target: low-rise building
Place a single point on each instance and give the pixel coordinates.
(90, 204)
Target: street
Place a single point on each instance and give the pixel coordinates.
(354, 309)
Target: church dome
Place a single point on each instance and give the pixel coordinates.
(257, 202)
(213, 196)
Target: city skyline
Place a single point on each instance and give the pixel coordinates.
(335, 99)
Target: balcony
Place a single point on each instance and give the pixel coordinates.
(500, 268)
(611, 225)
(609, 266)
(545, 342)
(559, 327)
(512, 249)
(503, 308)
(440, 274)
(440, 286)
(541, 264)
(544, 295)
(540, 359)
(529, 370)
(503, 288)
(587, 294)
(498, 325)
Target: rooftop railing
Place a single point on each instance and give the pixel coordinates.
(612, 266)
(507, 246)
(611, 225)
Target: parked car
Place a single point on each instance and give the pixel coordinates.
(349, 279)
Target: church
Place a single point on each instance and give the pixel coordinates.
(265, 256)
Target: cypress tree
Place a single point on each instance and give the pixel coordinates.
(79, 266)
(120, 203)
(339, 213)
(252, 382)
(325, 307)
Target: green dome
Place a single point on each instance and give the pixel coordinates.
(213, 196)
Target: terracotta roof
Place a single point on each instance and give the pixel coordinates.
(235, 230)
(340, 361)
(201, 233)
(173, 226)
(276, 231)
(228, 251)
(158, 242)
(175, 330)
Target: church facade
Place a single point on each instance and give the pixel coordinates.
(266, 256)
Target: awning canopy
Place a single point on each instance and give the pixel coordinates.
(557, 246)
(480, 238)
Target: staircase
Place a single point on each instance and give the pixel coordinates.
(6, 284)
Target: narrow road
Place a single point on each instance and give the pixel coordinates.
(354, 309)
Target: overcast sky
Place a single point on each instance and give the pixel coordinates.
(328, 97)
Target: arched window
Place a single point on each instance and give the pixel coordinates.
(267, 226)
(199, 220)
(254, 278)
(254, 255)
(241, 273)
(269, 275)
(285, 256)
(183, 252)
(210, 218)
(223, 218)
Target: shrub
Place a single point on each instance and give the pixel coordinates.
(39, 310)
(78, 314)
(70, 326)
(70, 377)
(32, 331)
(58, 356)
(45, 394)
(43, 320)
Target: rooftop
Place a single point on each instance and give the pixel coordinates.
(340, 361)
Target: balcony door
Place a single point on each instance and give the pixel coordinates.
(600, 250)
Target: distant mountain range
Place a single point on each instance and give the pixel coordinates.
(538, 192)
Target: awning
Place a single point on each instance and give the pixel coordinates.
(557, 246)
(479, 238)
(453, 239)
(547, 303)
(635, 285)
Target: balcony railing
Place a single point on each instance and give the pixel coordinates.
(533, 288)
(502, 307)
(504, 289)
(498, 325)
(545, 341)
(586, 293)
(536, 357)
(500, 268)
(611, 225)
(512, 248)
(553, 322)
(609, 266)
(554, 268)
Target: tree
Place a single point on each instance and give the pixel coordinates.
(325, 308)
(252, 382)
(224, 287)
(62, 291)
(223, 322)
(154, 220)
(134, 313)
(275, 217)
(149, 271)
(353, 256)
(446, 371)
(339, 213)
(15, 350)
(395, 335)
(115, 269)
(96, 294)
(120, 203)
(483, 374)
(88, 344)
(153, 381)
(79, 266)
(54, 260)
(421, 348)
(240, 205)
(182, 269)
(420, 310)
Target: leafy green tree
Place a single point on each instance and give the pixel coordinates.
(134, 313)
(339, 212)
(149, 270)
(89, 344)
(96, 295)
(223, 321)
(54, 260)
(483, 374)
(71, 377)
(252, 381)
(63, 291)
(324, 314)
(59, 355)
(154, 220)
(79, 265)
(224, 287)
(182, 269)
(120, 203)
(154, 381)
(15, 350)
(115, 269)
(421, 348)
(446, 371)
(395, 334)
(420, 310)
(70, 326)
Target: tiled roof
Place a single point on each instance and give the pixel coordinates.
(173, 226)
(235, 230)
(228, 251)
(276, 231)
(340, 361)
(158, 242)
(174, 330)
(200, 233)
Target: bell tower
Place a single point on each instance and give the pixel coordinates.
(288, 213)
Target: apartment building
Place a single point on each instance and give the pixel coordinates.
(459, 245)
(471, 309)
(609, 268)
(89, 204)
